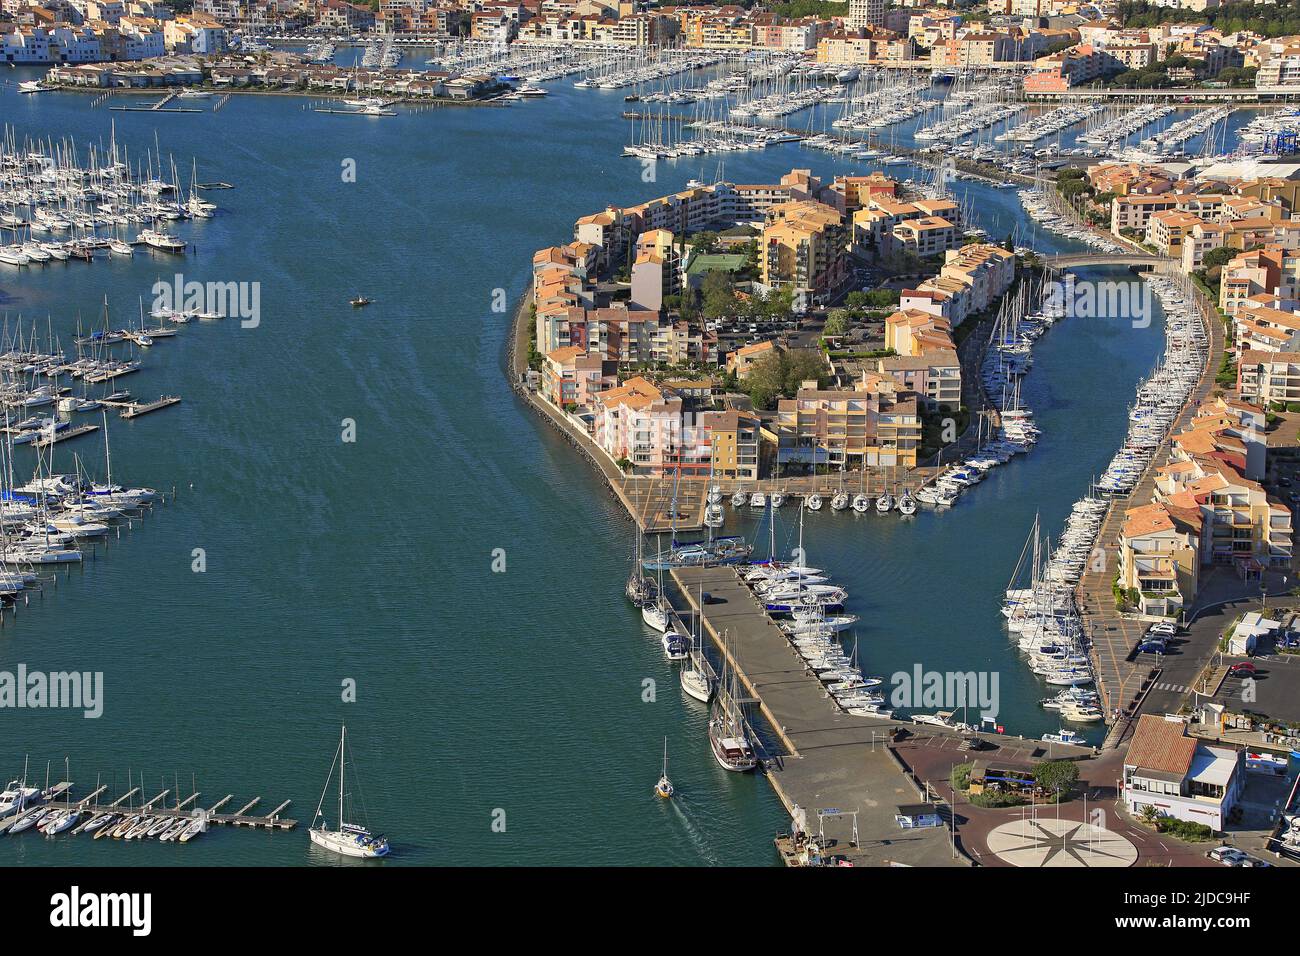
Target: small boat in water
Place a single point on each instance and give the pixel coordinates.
(813, 502)
(360, 301)
(677, 646)
(664, 788)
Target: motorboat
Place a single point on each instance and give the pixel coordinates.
(677, 646)
(162, 241)
(1065, 737)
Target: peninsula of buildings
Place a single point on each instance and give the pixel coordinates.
(676, 333)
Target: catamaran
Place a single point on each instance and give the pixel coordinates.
(350, 839)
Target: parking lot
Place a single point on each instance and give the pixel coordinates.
(1272, 691)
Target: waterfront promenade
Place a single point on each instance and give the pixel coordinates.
(824, 758)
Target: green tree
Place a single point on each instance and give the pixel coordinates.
(1057, 775)
(718, 295)
(1218, 257)
(837, 323)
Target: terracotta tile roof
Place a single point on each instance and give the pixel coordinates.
(1160, 745)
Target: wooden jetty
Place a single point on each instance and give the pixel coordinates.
(159, 107)
(136, 409)
(180, 808)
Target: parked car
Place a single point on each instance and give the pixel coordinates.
(1153, 647)
(1164, 629)
(1242, 667)
(1229, 856)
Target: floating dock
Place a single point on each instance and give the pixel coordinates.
(136, 409)
(159, 107)
(64, 435)
(60, 799)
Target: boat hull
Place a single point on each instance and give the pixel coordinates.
(336, 841)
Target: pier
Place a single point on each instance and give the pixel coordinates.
(831, 760)
(186, 807)
(67, 433)
(136, 409)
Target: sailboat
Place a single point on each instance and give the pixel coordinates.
(664, 788)
(728, 731)
(696, 675)
(350, 839)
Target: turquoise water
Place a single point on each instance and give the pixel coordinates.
(372, 561)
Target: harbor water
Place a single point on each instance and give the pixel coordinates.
(457, 561)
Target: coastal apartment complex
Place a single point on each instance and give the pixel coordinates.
(596, 346)
(1209, 508)
(874, 424)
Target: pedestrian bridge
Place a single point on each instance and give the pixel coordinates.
(1137, 260)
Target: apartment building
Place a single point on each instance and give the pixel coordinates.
(1159, 556)
(1239, 524)
(656, 270)
(1271, 271)
(866, 13)
(573, 377)
(1269, 377)
(804, 246)
(1166, 230)
(926, 237)
(735, 443)
(1261, 328)
(875, 424)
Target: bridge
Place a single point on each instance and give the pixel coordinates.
(1136, 260)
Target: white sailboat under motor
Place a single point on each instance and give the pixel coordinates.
(350, 839)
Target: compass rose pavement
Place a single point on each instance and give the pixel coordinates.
(1052, 842)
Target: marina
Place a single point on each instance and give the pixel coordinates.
(439, 396)
(53, 811)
